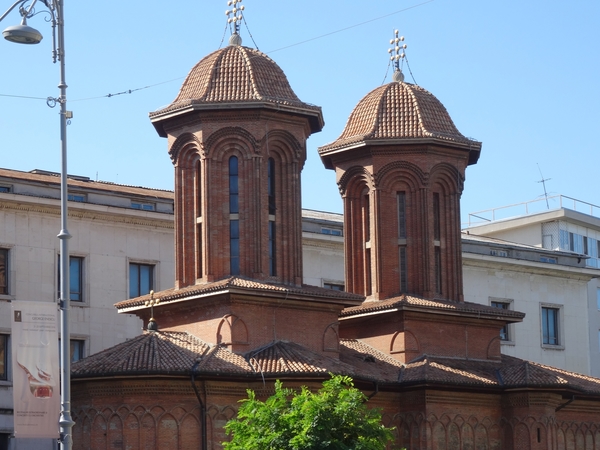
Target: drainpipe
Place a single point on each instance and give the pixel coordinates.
(375, 392)
(203, 444)
(559, 407)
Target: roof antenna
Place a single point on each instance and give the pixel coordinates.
(543, 181)
(397, 54)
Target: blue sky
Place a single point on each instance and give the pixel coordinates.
(520, 76)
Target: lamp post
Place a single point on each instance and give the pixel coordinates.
(24, 34)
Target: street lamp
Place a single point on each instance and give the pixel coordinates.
(24, 34)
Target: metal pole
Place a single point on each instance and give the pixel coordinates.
(66, 422)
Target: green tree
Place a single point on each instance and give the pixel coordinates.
(336, 417)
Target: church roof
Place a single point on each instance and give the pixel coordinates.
(238, 77)
(398, 111)
(178, 353)
(408, 302)
(239, 284)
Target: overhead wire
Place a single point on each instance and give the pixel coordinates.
(131, 91)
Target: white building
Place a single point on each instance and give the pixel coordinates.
(566, 225)
(122, 245)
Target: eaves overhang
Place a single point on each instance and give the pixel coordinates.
(158, 118)
(328, 152)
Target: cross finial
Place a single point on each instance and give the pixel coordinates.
(152, 325)
(396, 54)
(234, 17)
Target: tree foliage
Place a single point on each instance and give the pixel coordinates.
(336, 417)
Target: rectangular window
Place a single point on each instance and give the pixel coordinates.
(598, 298)
(272, 259)
(550, 325)
(403, 268)
(3, 271)
(76, 197)
(331, 231)
(3, 357)
(504, 330)
(333, 286)
(234, 243)
(141, 279)
(76, 278)
(401, 200)
(77, 347)
(436, 216)
(143, 206)
(5, 189)
(438, 269)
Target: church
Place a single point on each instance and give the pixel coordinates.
(238, 316)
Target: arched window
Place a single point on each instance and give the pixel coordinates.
(437, 243)
(402, 262)
(198, 194)
(234, 221)
(272, 209)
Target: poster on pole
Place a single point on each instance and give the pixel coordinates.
(35, 368)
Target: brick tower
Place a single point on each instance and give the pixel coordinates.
(400, 165)
(237, 137)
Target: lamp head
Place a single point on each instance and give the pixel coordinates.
(22, 34)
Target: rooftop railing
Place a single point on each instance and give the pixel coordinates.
(532, 207)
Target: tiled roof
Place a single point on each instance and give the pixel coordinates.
(405, 302)
(398, 111)
(178, 353)
(149, 353)
(508, 373)
(84, 183)
(239, 283)
(236, 74)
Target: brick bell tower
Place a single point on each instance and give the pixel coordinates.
(400, 165)
(237, 138)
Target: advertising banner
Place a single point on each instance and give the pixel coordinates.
(35, 368)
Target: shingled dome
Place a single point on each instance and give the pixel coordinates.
(237, 77)
(399, 111)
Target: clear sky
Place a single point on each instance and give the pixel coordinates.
(522, 76)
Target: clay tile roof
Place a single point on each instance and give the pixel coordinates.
(409, 302)
(178, 353)
(398, 111)
(239, 284)
(238, 75)
(150, 353)
(279, 358)
(508, 373)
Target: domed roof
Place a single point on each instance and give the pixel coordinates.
(396, 111)
(238, 77)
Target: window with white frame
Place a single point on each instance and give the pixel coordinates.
(551, 325)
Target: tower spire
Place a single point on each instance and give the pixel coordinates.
(397, 54)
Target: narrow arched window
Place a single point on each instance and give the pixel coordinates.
(402, 261)
(437, 243)
(366, 218)
(234, 220)
(198, 194)
(272, 209)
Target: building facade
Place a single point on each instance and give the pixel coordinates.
(122, 246)
(565, 225)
